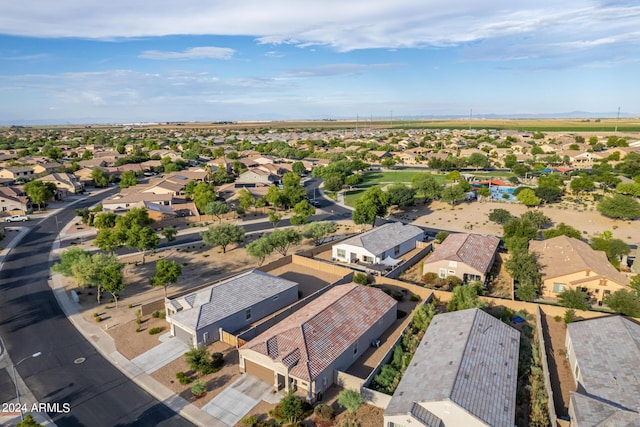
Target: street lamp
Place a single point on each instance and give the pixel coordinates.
(15, 379)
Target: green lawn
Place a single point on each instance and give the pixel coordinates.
(401, 175)
(351, 196)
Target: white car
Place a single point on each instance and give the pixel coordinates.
(17, 218)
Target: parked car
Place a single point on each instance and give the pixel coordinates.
(17, 218)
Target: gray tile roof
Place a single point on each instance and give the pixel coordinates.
(475, 250)
(468, 357)
(607, 350)
(590, 412)
(219, 301)
(385, 237)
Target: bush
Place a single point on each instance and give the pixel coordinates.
(249, 421)
(183, 378)
(415, 298)
(201, 361)
(351, 400)
(569, 316)
(98, 319)
(138, 329)
(198, 388)
(397, 295)
(441, 236)
(430, 279)
(361, 278)
(156, 330)
(324, 412)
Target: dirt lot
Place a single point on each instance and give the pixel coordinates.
(559, 369)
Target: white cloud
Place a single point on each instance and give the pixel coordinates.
(203, 52)
(334, 69)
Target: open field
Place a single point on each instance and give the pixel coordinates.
(397, 175)
(546, 125)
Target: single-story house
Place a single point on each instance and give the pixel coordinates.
(305, 350)
(464, 373)
(256, 176)
(568, 263)
(135, 200)
(604, 355)
(66, 183)
(232, 304)
(13, 201)
(390, 240)
(464, 255)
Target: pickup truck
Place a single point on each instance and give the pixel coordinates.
(17, 218)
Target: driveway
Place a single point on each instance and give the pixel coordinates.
(161, 355)
(239, 398)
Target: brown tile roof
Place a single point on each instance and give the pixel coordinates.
(564, 255)
(475, 250)
(311, 339)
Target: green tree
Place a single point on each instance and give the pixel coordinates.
(260, 249)
(40, 192)
(528, 198)
(401, 195)
(245, 199)
(478, 160)
(169, 233)
(452, 194)
(635, 284)
(333, 182)
(373, 203)
(624, 301)
(465, 297)
(500, 216)
(276, 197)
(68, 259)
(28, 421)
(223, 235)
(298, 167)
(525, 271)
(484, 192)
(629, 189)
(200, 360)
(167, 272)
(581, 184)
(574, 298)
(561, 230)
(302, 212)
(426, 186)
(281, 240)
(517, 233)
(217, 209)
(128, 179)
(135, 216)
(351, 400)
(274, 218)
(619, 206)
(548, 194)
(537, 218)
(614, 248)
(111, 281)
(109, 240)
(100, 178)
(143, 239)
(318, 231)
(105, 220)
(293, 190)
(291, 407)
(453, 176)
(203, 194)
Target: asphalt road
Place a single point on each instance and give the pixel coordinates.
(31, 321)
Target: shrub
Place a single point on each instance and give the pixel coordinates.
(441, 236)
(430, 279)
(569, 316)
(200, 360)
(198, 388)
(351, 400)
(183, 378)
(557, 318)
(324, 412)
(397, 295)
(361, 278)
(156, 330)
(96, 315)
(415, 298)
(98, 319)
(249, 421)
(138, 329)
(155, 314)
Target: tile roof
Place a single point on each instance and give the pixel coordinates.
(219, 301)
(565, 255)
(475, 250)
(312, 338)
(607, 350)
(381, 239)
(468, 357)
(590, 412)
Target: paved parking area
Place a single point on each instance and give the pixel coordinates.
(239, 398)
(161, 355)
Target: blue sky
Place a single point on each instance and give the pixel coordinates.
(84, 61)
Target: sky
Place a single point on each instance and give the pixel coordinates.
(117, 61)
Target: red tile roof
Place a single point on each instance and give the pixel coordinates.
(311, 339)
(475, 250)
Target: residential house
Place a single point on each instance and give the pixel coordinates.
(256, 177)
(66, 184)
(135, 200)
(604, 355)
(464, 373)
(13, 201)
(388, 241)
(586, 159)
(467, 256)
(305, 350)
(18, 173)
(46, 168)
(568, 263)
(230, 305)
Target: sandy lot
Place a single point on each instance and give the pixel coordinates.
(589, 221)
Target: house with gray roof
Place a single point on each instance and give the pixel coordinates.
(388, 241)
(604, 355)
(467, 256)
(305, 350)
(231, 305)
(464, 373)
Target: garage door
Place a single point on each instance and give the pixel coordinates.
(265, 374)
(183, 335)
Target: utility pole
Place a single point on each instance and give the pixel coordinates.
(617, 119)
(470, 115)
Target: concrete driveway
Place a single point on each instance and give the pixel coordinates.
(161, 355)
(234, 402)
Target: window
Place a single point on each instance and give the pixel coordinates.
(368, 259)
(559, 287)
(396, 250)
(341, 253)
(442, 273)
(247, 313)
(355, 348)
